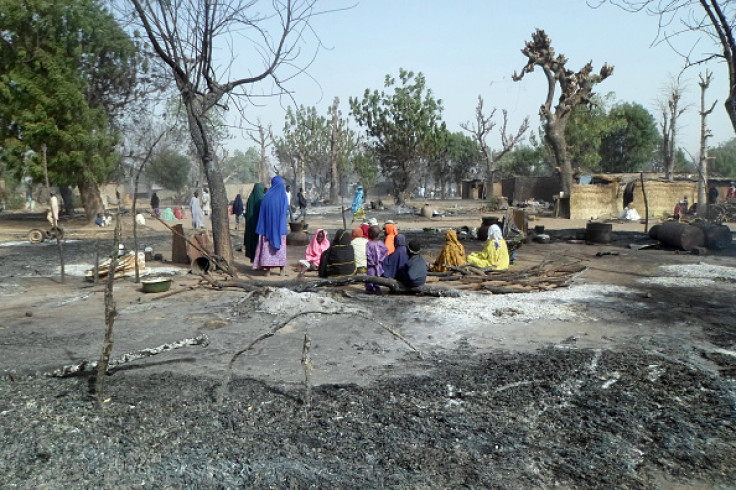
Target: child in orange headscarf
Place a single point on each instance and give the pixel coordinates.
(390, 230)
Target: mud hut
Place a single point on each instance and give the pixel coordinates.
(602, 198)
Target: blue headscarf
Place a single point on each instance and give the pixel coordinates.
(272, 217)
(358, 199)
(394, 263)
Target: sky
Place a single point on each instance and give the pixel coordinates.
(467, 48)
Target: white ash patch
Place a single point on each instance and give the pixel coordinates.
(280, 301)
(26, 243)
(558, 304)
(78, 270)
(694, 275)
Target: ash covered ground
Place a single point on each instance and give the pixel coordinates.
(624, 379)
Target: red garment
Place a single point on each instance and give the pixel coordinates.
(365, 227)
(177, 213)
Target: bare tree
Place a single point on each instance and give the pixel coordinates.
(704, 135)
(263, 137)
(188, 36)
(671, 112)
(334, 148)
(714, 19)
(576, 89)
(482, 128)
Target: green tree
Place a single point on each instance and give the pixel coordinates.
(463, 155)
(723, 161)
(65, 69)
(631, 141)
(588, 126)
(366, 168)
(170, 169)
(524, 161)
(305, 145)
(401, 123)
(241, 167)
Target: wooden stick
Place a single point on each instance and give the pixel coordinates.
(219, 261)
(86, 365)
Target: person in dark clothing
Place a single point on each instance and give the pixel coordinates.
(414, 273)
(339, 259)
(713, 195)
(393, 263)
(155, 203)
(302, 202)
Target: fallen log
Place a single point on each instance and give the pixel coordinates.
(86, 365)
(303, 287)
(679, 235)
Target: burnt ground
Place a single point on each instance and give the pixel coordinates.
(631, 387)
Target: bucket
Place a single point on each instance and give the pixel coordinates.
(599, 232)
(200, 265)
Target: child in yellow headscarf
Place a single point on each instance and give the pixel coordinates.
(453, 253)
(494, 254)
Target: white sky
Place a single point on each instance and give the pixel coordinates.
(471, 47)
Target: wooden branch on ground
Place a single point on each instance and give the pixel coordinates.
(216, 259)
(223, 388)
(86, 365)
(302, 287)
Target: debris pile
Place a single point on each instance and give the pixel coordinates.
(541, 277)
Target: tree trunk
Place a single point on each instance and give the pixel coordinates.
(220, 224)
(68, 198)
(334, 181)
(555, 136)
(91, 199)
(203, 143)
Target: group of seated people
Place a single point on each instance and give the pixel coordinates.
(386, 253)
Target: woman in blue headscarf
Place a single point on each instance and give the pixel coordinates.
(271, 228)
(357, 208)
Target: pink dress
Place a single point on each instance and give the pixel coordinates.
(267, 256)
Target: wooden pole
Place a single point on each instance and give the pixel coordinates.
(54, 222)
(646, 204)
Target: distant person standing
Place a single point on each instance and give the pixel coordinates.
(302, 201)
(288, 198)
(155, 205)
(713, 195)
(197, 213)
(206, 206)
(238, 209)
(53, 215)
(252, 211)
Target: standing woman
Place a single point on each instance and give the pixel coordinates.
(252, 211)
(206, 207)
(357, 207)
(155, 203)
(272, 229)
(238, 210)
(197, 214)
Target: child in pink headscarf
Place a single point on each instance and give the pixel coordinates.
(317, 245)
